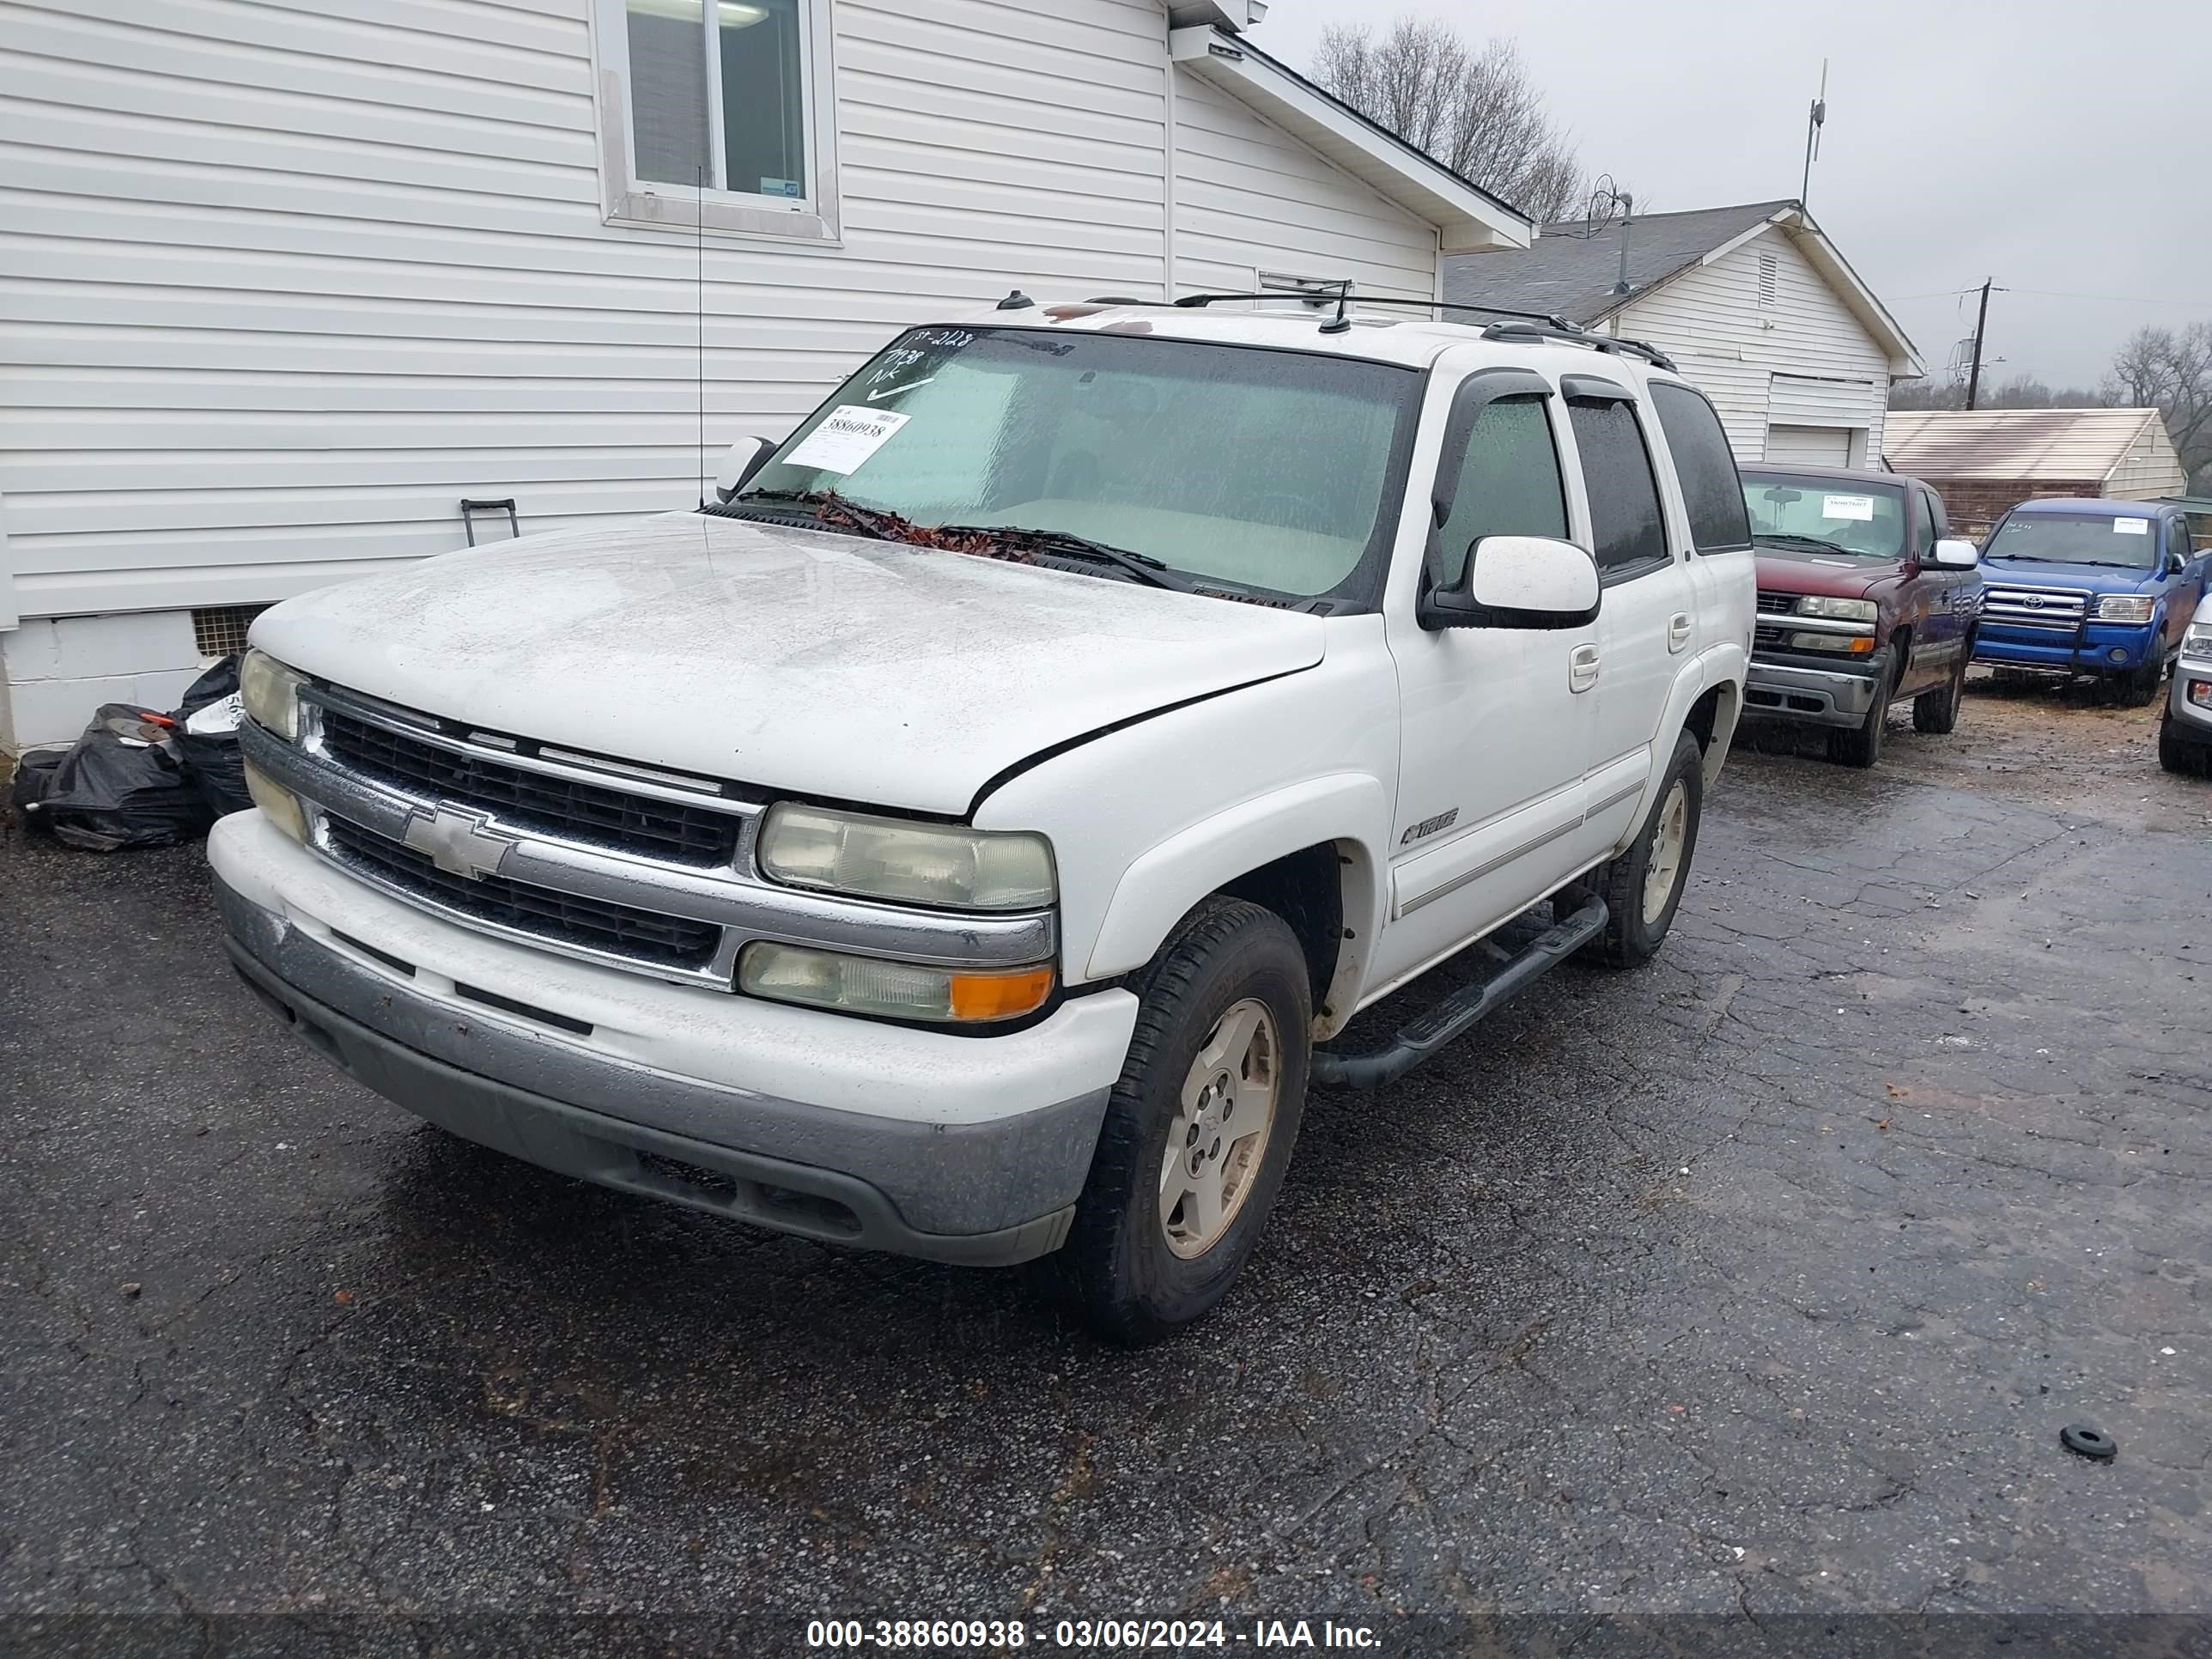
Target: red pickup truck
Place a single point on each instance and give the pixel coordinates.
(1864, 599)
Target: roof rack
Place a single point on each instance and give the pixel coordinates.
(1519, 326)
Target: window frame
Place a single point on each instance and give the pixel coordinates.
(629, 202)
(1590, 389)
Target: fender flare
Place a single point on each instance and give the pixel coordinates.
(1160, 887)
(1719, 664)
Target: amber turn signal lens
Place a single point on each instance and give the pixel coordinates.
(999, 996)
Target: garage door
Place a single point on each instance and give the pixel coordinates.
(1809, 446)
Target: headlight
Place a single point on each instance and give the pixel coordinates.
(277, 804)
(1839, 610)
(271, 694)
(944, 865)
(2197, 643)
(2124, 607)
(900, 990)
(1850, 645)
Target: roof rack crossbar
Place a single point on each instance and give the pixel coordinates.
(1605, 343)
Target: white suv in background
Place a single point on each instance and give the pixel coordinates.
(968, 836)
(2184, 732)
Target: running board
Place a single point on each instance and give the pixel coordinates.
(1457, 1014)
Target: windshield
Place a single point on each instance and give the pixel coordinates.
(1267, 468)
(1853, 519)
(2071, 538)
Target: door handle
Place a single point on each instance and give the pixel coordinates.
(1678, 630)
(1581, 668)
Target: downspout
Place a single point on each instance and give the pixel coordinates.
(1169, 164)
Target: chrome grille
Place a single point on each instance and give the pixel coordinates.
(1778, 604)
(643, 936)
(614, 862)
(590, 812)
(2060, 609)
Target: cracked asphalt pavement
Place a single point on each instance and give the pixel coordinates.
(1759, 1281)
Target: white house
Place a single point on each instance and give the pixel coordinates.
(1753, 303)
(287, 281)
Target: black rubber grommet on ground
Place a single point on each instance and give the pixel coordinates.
(2081, 1438)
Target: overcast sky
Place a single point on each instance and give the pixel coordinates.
(2063, 149)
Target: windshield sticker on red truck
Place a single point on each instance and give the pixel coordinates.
(2131, 526)
(847, 437)
(1847, 506)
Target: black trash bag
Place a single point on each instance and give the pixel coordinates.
(122, 784)
(34, 781)
(207, 737)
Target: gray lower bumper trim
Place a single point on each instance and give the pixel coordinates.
(1818, 697)
(981, 1194)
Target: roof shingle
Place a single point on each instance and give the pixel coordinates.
(1569, 272)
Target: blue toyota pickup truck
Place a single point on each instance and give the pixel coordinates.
(2091, 588)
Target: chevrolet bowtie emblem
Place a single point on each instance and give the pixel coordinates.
(459, 842)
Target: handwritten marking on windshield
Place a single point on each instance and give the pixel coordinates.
(874, 397)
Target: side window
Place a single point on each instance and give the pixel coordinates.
(1623, 494)
(1509, 485)
(1707, 467)
(1930, 526)
(1939, 520)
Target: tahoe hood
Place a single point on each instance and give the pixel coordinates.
(801, 661)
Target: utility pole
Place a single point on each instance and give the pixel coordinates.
(1815, 118)
(1981, 326)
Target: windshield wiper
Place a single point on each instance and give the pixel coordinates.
(1782, 537)
(824, 502)
(1064, 544)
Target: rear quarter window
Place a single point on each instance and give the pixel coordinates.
(1705, 466)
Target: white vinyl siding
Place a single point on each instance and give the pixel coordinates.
(285, 281)
(1801, 357)
(1249, 199)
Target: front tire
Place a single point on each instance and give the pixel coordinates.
(1642, 888)
(1936, 712)
(2177, 754)
(2137, 688)
(1200, 1128)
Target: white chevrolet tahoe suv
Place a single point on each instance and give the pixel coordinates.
(967, 836)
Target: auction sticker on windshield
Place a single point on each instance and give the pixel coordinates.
(2131, 526)
(1847, 506)
(846, 438)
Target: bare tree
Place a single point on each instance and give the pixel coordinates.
(2019, 392)
(2171, 370)
(1475, 110)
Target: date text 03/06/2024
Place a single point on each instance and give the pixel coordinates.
(1082, 1635)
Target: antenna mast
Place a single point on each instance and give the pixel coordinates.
(1815, 118)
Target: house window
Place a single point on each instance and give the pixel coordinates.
(720, 111)
(1770, 280)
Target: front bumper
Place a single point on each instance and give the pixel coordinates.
(960, 1149)
(1793, 690)
(2192, 681)
(2097, 648)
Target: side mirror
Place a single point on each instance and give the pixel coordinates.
(1951, 554)
(2176, 563)
(1518, 581)
(746, 457)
